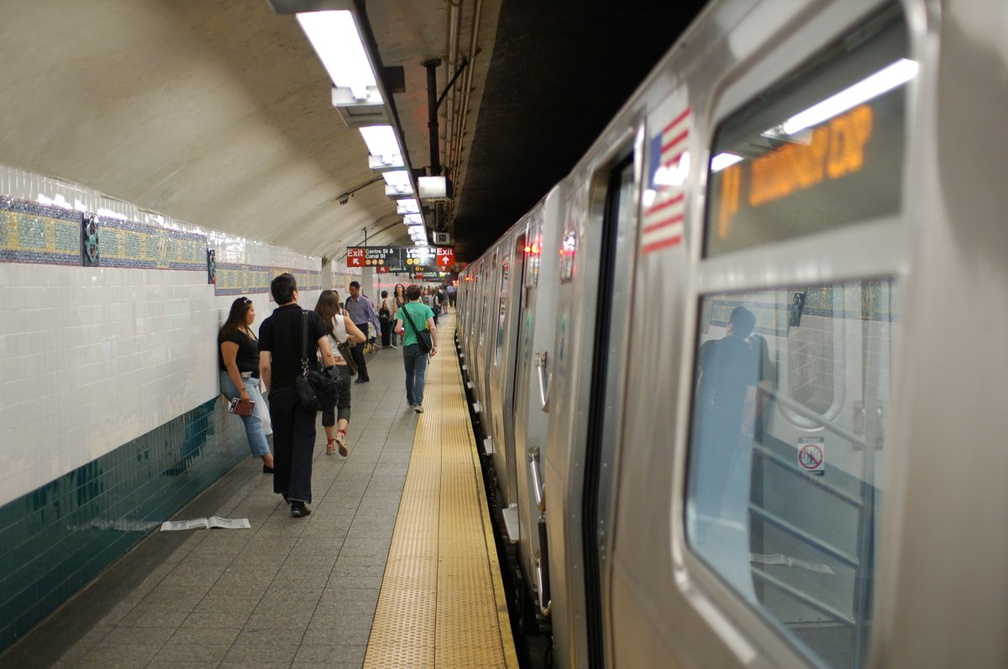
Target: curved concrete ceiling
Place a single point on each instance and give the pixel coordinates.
(218, 112)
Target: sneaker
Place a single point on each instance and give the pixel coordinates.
(330, 447)
(418, 408)
(299, 510)
(341, 442)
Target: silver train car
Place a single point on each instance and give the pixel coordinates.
(741, 376)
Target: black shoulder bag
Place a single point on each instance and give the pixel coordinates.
(315, 390)
(424, 340)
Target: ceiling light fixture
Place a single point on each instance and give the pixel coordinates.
(336, 40)
(407, 206)
(341, 35)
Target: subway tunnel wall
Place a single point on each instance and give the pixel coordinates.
(110, 414)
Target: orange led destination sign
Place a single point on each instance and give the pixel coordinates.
(833, 151)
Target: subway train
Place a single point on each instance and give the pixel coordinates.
(739, 380)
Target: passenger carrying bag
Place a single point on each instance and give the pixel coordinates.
(315, 390)
(424, 340)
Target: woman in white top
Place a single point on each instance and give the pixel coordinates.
(341, 329)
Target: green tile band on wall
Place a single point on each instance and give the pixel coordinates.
(58, 538)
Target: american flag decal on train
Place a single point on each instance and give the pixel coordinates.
(664, 203)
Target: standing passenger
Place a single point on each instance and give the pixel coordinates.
(362, 313)
(413, 318)
(398, 302)
(280, 349)
(238, 360)
(729, 372)
(385, 318)
(341, 329)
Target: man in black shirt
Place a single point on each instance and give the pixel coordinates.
(279, 365)
(730, 372)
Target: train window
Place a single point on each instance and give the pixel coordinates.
(786, 511)
(502, 296)
(821, 150)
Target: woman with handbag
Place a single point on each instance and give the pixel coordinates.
(238, 362)
(415, 322)
(341, 330)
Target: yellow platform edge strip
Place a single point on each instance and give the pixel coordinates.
(420, 620)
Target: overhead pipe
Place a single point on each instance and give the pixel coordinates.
(454, 27)
(455, 158)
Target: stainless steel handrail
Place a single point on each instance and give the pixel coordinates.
(544, 385)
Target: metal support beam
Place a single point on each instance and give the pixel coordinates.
(432, 106)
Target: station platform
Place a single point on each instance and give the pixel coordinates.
(395, 567)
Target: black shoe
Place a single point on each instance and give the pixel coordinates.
(299, 510)
(267, 469)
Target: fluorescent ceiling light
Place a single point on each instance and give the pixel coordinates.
(396, 178)
(381, 140)
(398, 190)
(408, 206)
(385, 162)
(723, 160)
(334, 36)
(413, 219)
(397, 183)
(883, 81)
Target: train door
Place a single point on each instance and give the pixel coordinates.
(484, 327)
(592, 337)
(500, 403)
(641, 571)
(538, 319)
(474, 317)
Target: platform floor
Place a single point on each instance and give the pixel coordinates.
(395, 567)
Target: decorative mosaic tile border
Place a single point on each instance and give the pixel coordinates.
(47, 235)
(129, 244)
(39, 234)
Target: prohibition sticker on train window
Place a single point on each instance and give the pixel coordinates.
(812, 455)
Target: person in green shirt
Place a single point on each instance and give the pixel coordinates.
(412, 319)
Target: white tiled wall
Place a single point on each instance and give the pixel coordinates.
(91, 358)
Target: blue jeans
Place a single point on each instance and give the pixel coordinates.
(416, 372)
(253, 424)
